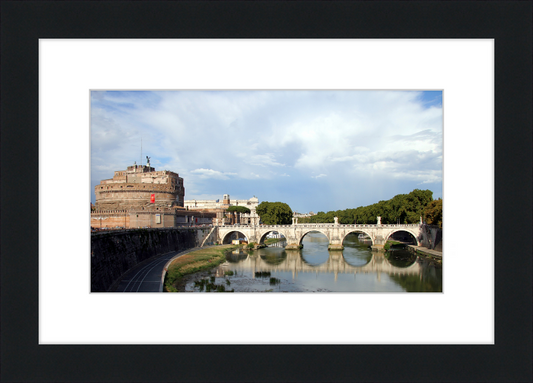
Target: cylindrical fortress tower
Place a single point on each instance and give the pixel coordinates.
(134, 188)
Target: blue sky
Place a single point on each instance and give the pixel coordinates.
(314, 150)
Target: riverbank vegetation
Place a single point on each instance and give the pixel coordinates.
(193, 262)
(402, 208)
(209, 286)
(391, 243)
(433, 213)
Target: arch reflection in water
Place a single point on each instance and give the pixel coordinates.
(315, 269)
(356, 249)
(315, 248)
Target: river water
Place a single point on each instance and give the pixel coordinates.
(315, 269)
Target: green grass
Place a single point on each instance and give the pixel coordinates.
(193, 262)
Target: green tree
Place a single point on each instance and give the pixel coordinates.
(415, 202)
(274, 213)
(238, 209)
(433, 213)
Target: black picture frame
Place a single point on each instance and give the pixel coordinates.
(508, 22)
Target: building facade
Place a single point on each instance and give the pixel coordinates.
(149, 218)
(302, 215)
(222, 204)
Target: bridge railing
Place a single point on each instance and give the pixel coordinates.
(359, 225)
(383, 226)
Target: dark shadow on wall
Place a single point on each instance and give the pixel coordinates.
(431, 237)
(113, 254)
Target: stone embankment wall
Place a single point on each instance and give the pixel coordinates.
(209, 238)
(112, 254)
(431, 237)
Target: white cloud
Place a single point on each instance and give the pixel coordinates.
(263, 160)
(210, 173)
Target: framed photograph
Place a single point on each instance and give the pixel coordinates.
(50, 317)
(359, 174)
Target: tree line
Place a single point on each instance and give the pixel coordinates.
(402, 208)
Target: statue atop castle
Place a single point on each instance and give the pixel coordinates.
(147, 161)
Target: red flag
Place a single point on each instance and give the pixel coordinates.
(152, 198)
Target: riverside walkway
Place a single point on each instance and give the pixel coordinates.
(433, 253)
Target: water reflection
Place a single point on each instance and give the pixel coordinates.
(236, 256)
(273, 258)
(315, 269)
(356, 250)
(401, 257)
(281, 244)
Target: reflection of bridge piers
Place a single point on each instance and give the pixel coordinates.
(292, 261)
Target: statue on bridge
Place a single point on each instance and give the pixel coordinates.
(336, 220)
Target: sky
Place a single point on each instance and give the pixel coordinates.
(314, 150)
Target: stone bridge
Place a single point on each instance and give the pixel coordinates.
(335, 264)
(335, 233)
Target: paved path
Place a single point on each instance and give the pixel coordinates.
(427, 251)
(147, 277)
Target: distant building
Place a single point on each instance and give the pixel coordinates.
(302, 215)
(220, 207)
(224, 204)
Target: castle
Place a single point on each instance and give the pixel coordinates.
(137, 186)
(140, 196)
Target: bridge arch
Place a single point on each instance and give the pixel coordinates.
(227, 236)
(304, 233)
(413, 235)
(262, 234)
(357, 231)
